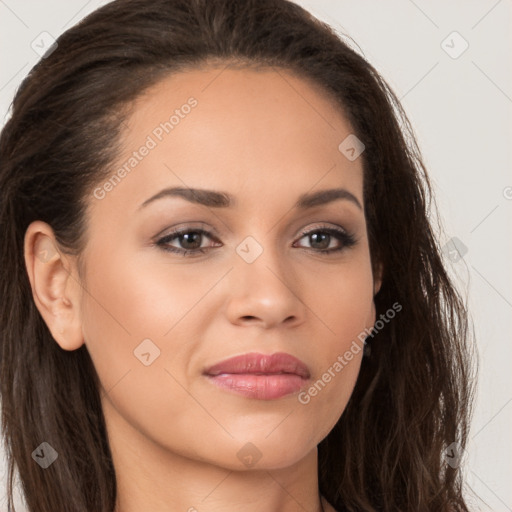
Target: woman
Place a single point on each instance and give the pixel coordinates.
(220, 286)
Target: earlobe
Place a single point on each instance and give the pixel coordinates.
(54, 287)
(377, 282)
(378, 279)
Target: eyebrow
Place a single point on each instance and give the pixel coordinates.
(215, 199)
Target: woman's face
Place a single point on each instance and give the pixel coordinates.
(154, 321)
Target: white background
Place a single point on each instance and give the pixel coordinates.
(461, 110)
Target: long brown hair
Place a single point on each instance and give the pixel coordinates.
(414, 393)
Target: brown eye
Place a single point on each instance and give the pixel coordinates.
(321, 239)
(190, 240)
(187, 241)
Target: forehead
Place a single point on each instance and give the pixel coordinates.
(249, 131)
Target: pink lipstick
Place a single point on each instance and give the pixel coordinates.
(260, 376)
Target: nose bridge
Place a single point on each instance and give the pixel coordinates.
(261, 258)
(262, 283)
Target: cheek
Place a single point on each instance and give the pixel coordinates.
(342, 301)
(130, 311)
(129, 297)
(344, 315)
(140, 339)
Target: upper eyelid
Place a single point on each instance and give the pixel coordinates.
(215, 237)
(346, 237)
(180, 231)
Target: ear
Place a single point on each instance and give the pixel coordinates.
(55, 285)
(377, 280)
(377, 283)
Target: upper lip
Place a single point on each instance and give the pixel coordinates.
(255, 363)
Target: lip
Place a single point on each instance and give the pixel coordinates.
(260, 376)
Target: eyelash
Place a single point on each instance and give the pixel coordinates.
(348, 240)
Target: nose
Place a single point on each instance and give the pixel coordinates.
(265, 292)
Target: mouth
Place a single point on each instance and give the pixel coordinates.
(260, 376)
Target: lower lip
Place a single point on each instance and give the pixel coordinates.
(261, 387)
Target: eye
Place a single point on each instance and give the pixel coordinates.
(321, 239)
(190, 241)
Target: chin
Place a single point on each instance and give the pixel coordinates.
(270, 453)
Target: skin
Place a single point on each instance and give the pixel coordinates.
(265, 137)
